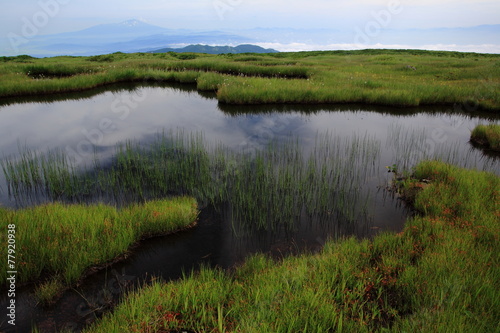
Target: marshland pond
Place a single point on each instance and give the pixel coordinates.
(278, 179)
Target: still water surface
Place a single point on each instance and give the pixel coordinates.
(94, 123)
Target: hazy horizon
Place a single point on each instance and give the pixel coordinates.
(363, 23)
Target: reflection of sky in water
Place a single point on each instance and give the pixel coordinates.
(102, 121)
(113, 117)
(109, 118)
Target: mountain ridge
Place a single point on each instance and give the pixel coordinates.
(139, 36)
(199, 48)
(127, 36)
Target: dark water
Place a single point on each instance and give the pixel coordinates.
(95, 122)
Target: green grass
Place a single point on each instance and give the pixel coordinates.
(487, 135)
(440, 274)
(381, 77)
(47, 291)
(269, 189)
(56, 243)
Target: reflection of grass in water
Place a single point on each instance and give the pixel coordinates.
(439, 274)
(267, 189)
(410, 146)
(276, 184)
(32, 173)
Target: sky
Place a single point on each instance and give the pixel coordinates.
(72, 15)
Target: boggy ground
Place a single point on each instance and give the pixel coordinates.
(440, 274)
(55, 244)
(487, 136)
(376, 77)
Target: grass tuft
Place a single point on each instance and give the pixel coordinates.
(487, 135)
(46, 292)
(439, 274)
(62, 241)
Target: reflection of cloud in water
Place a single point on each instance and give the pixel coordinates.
(83, 125)
(257, 131)
(77, 123)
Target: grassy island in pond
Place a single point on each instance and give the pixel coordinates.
(57, 243)
(440, 274)
(487, 136)
(404, 78)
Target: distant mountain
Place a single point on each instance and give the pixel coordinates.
(139, 36)
(127, 36)
(244, 48)
(125, 30)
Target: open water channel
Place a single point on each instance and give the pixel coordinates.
(91, 124)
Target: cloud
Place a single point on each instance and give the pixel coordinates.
(247, 14)
(295, 47)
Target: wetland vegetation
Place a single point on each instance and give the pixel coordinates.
(268, 189)
(56, 243)
(439, 274)
(406, 78)
(487, 136)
